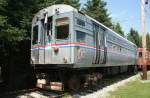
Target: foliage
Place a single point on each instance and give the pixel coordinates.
(134, 37)
(148, 41)
(73, 3)
(97, 10)
(117, 28)
(45, 3)
(15, 27)
(16, 16)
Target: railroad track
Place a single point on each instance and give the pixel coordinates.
(38, 93)
(13, 94)
(32, 93)
(41, 94)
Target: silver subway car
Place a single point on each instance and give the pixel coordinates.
(65, 38)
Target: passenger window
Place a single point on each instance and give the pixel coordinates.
(62, 28)
(80, 22)
(80, 36)
(35, 35)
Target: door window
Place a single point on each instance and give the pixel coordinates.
(35, 35)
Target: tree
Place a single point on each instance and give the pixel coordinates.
(45, 3)
(15, 27)
(134, 37)
(148, 41)
(15, 24)
(117, 28)
(97, 10)
(73, 3)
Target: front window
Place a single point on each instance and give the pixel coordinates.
(62, 28)
(35, 35)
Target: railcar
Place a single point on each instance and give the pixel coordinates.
(67, 46)
(140, 60)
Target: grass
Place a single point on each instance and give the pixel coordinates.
(134, 89)
(67, 96)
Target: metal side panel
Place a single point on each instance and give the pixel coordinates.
(34, 56)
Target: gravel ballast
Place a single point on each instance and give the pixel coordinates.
(104, 93)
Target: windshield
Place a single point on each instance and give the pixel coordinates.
(62, 28)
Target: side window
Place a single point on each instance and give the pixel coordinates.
(62, 28)
(35, 35)
(80, 22)
(95, 31)
(80, 36)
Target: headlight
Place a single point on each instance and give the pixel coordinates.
(64, 60)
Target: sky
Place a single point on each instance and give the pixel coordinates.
(127, 13)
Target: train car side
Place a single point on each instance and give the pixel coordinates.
(113, 50)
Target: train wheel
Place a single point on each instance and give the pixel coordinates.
(132, 69)
(74, 83)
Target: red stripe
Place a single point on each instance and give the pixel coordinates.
(78, 44)
(83, 44)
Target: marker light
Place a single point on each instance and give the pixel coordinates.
(56, 49)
